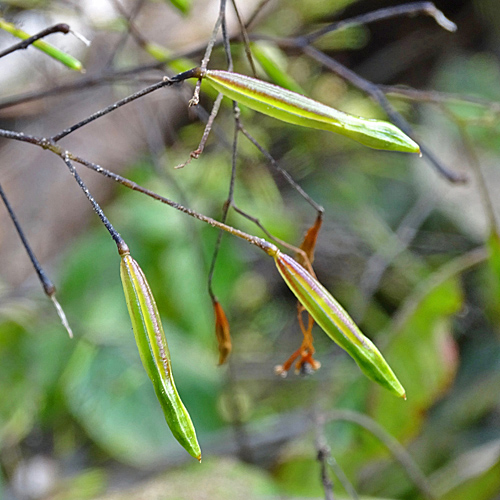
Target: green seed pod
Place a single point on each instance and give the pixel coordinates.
(337, 324)
(295, 108)
(44, 46)
(155, 356)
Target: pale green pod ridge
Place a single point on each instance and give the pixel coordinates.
(155, 356)
(336, 323)
(291, 107)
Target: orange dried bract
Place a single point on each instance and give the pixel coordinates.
(309, 242)
(222, 332)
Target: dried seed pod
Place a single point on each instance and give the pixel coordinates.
(155, 356)
(336, 323)
(222, 332)
(291, 107)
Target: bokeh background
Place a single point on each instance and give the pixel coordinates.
(413, 258)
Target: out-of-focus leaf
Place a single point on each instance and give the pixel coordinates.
(113, 401)
(273, 62)
(18, 384)
(474, 474)
(83, 486)
(292, 107)
(424, 354)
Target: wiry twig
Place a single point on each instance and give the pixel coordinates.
(372, 90)
(47, 285)
(130, 27)
(57, 28)
(323, 455)
(281, 171)
(393, 445)
(225, 211)
(255, 13)
(64, 154)
(378, 263)
(383, 14)
(164, 83)
(437, 97)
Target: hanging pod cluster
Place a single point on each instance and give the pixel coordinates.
(291, 107)
(155, 356)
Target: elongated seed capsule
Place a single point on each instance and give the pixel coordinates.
(295, 108)
(155, 356)
(64, 58)
(337, 324)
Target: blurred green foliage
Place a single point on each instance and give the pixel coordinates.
(88, 405)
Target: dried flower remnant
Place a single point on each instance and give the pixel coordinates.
(222, 332)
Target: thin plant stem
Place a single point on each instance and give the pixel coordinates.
(57, 28)
(194, 155)
(215, 108)
(437, 97)
(225, 210)
(481, 180)
(264, 245)
(255, 13)
(259, 224)
(323, 455)
(382, 14)
(120, 243)
(129, 18)
(48, 286)
(166, 82)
